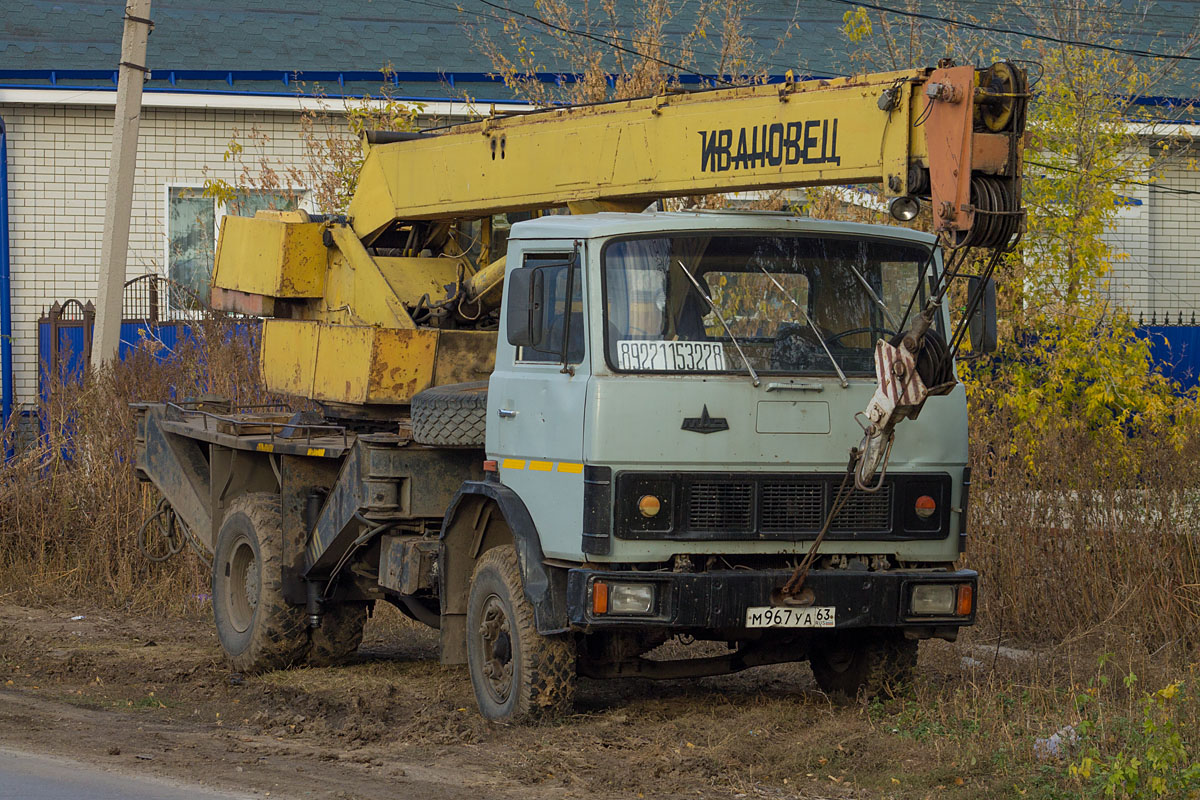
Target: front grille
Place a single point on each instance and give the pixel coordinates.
(789, 507)
(775, 507)
(720, 505)
(865, 511)
(780, 506)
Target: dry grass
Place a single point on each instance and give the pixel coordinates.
(1100, 541)
(71, 505)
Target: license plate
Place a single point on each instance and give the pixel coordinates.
(782, 617)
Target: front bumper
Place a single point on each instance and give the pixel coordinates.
(717, 601)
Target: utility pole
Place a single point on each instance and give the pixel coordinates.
(118, 200)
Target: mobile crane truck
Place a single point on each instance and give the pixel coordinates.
(632, 425)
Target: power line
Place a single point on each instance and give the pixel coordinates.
(1177, 190)
(586, 35)
(609, 39)
(1028, 34)
(1108, 12)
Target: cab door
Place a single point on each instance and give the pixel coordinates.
(536, 392)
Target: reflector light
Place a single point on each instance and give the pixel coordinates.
(925, 507)
(649, 505)
(489, 466)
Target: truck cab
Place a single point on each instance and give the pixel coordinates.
(672, 406)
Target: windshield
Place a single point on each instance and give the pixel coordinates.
(792, 301)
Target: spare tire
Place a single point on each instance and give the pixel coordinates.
(453, 415)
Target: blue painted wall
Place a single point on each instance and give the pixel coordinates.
(70, 346)
(1176, 351)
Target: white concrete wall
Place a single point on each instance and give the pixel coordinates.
(58, 169)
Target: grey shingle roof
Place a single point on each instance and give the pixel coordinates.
(428, 35)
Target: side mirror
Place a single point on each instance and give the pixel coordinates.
(526, 294)
(983, 323)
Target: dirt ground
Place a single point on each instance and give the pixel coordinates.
(153, 696)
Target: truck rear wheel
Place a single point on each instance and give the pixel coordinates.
(257, 628)
(337, 638)
(452, 415)
(866, 664)
(518, 674)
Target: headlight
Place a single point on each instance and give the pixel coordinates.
(933, 600)
(941, 600)
(904, 208)
(622, 599)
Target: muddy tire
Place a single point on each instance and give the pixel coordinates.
(258, 629)
(518, 674)
(864, 665)
(337, 639)
(453, 415)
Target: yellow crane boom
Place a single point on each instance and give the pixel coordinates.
(369, 310)
(867, 129)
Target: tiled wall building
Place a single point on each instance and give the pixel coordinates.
(58, 171)
(233, 64)
(1158, 234)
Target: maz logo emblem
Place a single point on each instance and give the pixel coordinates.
(704, 423)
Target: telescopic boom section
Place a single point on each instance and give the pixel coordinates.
(921, 133)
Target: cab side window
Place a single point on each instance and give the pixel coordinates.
(563, 321)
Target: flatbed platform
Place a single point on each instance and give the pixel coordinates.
(262, 431)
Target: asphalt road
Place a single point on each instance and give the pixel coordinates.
(25, 776)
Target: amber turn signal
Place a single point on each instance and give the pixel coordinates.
(599, 598)
(966, 600)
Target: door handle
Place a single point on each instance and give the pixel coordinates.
(507, 413)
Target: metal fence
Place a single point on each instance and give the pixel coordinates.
(65, 331)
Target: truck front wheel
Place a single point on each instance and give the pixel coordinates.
(257, 628)
(518, 674)
(865, 664)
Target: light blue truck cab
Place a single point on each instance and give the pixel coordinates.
(673, 403)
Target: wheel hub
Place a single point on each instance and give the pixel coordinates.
(495, 636)
(243, 587)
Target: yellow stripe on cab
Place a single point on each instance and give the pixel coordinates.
(536, 465)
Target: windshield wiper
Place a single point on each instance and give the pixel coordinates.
(878, 300)
(717, 311)
(811, 324)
